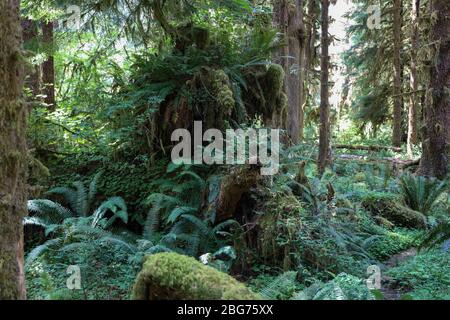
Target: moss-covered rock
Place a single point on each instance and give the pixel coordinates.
(174, 276)
(391, 208)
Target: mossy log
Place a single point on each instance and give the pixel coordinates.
(391, 209)
(171, 276)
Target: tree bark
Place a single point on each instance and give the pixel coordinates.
(324, 138)
(310, 54)
(288, 17)
(436, 140)
(13, 153)
(48, 67)
(397, 92)
(414, 81)
(302, 38)
(29, 35)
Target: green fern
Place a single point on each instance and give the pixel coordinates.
(421, 193)
(437, 236)
(46, 212)
(79, 199)
(280, 286)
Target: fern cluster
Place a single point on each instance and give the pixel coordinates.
(421, 193)
(190, 229)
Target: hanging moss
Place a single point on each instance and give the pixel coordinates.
(174, 276)
(274, 79)
(266, 97)
(223, 92)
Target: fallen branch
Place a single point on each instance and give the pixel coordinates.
(398, 163)
(368, 148)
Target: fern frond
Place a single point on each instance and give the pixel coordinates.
(199, 224)
(117, 206)
(49, 211)
(69, 195)
(276, 288)
(36, 252)
(93, 186)
(179, 211)
(82, 205)
(151, 224)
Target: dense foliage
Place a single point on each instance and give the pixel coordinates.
(105, 197)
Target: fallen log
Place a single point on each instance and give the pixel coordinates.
(367, 148)
(397, 164)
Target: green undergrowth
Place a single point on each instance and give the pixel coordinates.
(425, 276)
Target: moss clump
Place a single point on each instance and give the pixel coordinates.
(174, 276)
(224, 95)
(360, 177)
(274, 79)
(389, 207)
(264, 94)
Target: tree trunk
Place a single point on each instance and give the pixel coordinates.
(397, 92)
(288, 17)
(324, 139)
(29, 35)
(48, 67)
(310, 54)
(414, 82)
(13, 154)
(302, 38)
(436, 140)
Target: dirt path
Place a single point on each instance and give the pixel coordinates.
(388, 287)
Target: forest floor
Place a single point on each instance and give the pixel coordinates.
(332, 228)
(389, 287)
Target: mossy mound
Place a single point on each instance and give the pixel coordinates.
(173, 276)
(391, 208)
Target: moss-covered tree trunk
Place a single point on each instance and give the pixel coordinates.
(310, 54)
(397, 92)
(302, 40)
(436, 140)
(12, 154)
(324, 138)
(414, 81)
(288, 18)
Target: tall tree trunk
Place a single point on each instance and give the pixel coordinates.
(310, 52)
(288, 18)
(48, 67)
(397, 92)
(13, 153)
(414, 81)
(302, 38)
(436, 140)
(324, 139)
(29, 35)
